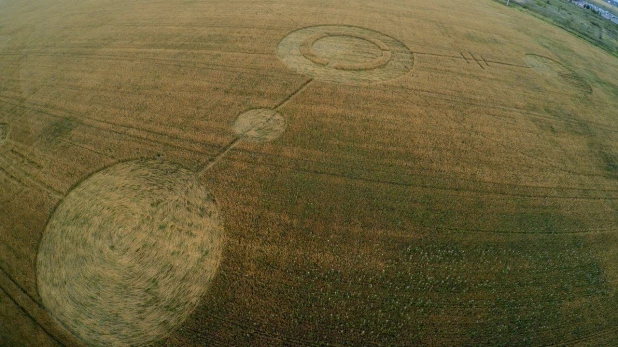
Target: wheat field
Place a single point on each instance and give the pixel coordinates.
(274, 172)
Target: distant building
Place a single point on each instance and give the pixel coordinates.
(601, 11)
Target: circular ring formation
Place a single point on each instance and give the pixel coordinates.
(381, 58)
(306, 49)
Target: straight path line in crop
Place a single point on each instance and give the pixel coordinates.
(67, 51)
(87, 148)
(437, 54)
(162, 61)
(21, 174)
(464, 57)
(297, 91)
(476, 60)
(485, 61)
(443, 188)
(32, 308)
(31, 106)
(11, 177)
(504, 63)
(25, 158)
(30, 316)
(144, 135)
(461, 56)
(296, 25)
(490, 105)
(306, 83)
(220, 155)
(444, 96)
(432, 175)
(176, 25)
(218, 67)
(225, 150)
(16, 181)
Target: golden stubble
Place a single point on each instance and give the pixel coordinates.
(4, 132)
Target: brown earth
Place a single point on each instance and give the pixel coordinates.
(468, 196)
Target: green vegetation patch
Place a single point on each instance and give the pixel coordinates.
(581, 22)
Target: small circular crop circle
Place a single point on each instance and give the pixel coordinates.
(345, 54)
(128, 253)
(259, 125)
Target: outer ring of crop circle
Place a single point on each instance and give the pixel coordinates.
(399, 58)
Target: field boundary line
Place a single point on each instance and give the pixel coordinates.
(25, 159)
(225, 150)
(127, 130)
(30, 316)
(470, 101)
(162, 61)
(88, 149)
(297, 91)
(461, 56)
(219, 156)
(427, 186)
(485, 61)
(431, 173)
(476, 60)
(34, 181)
(12, 177)
(296, 25)
(16, 181)
(464, 57)
(34, 310)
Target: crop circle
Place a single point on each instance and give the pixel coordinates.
(259, 125)
(552, 69)
(128, 253)
(345, 54)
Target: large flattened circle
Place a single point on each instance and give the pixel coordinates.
(128, 253)
(345, 54)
